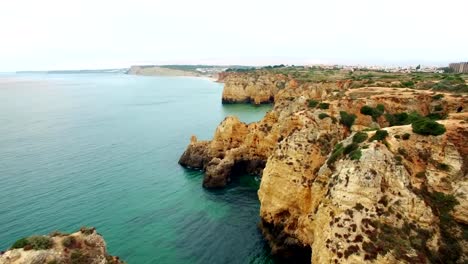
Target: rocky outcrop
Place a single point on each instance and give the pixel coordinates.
(326, 196)
(84, 246)
(255, 88)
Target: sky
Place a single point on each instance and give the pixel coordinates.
(97, 34)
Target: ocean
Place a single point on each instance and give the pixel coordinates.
(102, 149)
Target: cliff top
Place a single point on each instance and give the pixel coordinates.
(84, 246)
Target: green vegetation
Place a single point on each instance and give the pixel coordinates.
(451, 83)
(407, 83)
(347, 119)
(360, 137)
(241, 69)
(360, 77)
(273, 66)
(78, 257)
(403, 152)
(323, 115)
(349, 148)
(438, 108)
(40, 242)
(379, 135)
(352, 150)
(428, 127)
(438, 96)
(324, 105)
(69, 242)
(312, 103)
(355, 154)
(400, 241)
(400, 119)
(337, 152)
(406, 136)
(442, 204)
(373, 112)
(34, 242)
(20, 243)
(436, 116)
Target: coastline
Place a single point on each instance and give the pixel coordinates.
(207, 78)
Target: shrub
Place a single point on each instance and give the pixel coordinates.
(359, 137)
(349, 148)
(366, 110)
(373, 112)
(20, 243)
(428, 127)
(438, 108)
(380, 108)
(324, 105)
(312, 103)
(403, 152)
(436, 116)
(69, 242)
(398, 159)
(379, 135)
(355, 154)
(40, 242)
(34, 242)
(400, 119)
(337, 152)
(406, 136)
(78, 257)
(347, 119)
(407, 83)
(438, 96)
(323, 115)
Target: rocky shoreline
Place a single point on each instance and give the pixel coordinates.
(349, 175)
(83, 246)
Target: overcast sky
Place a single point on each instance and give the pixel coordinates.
(76, 34)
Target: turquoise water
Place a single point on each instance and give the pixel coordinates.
(102, 149)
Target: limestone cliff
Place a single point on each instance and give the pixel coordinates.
(84, 246)
(336, 191)
(259, 87)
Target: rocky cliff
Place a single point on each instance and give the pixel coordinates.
(84, 246)
(344, 185)
(259, 87)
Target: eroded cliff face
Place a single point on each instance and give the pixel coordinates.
(261, 87)
(84, 246)
(328, 197)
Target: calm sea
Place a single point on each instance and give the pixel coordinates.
(102, 149)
